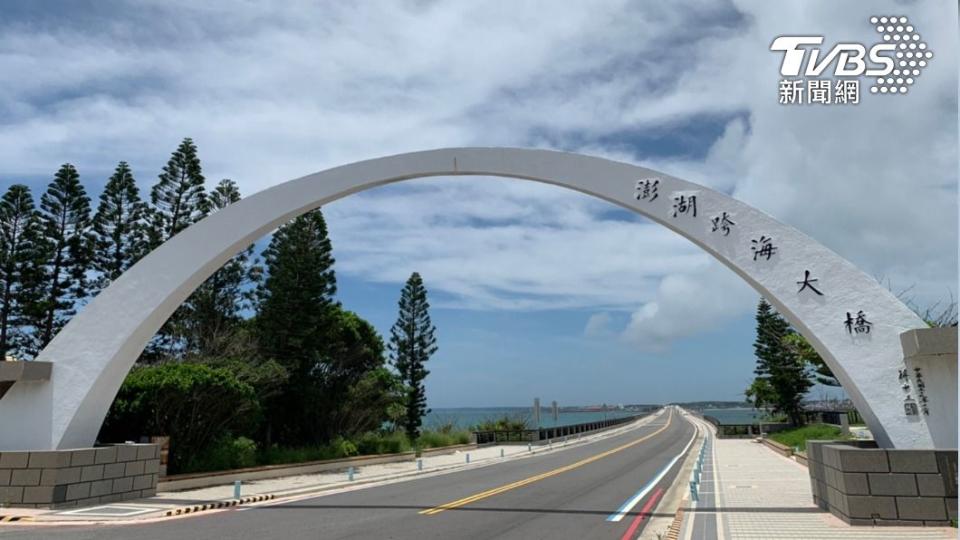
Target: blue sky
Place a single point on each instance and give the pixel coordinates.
(536, 291)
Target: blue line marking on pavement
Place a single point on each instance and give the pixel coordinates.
(632, 501)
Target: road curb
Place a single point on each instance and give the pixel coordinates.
(217, 505)
(673, 533)
(7, 519)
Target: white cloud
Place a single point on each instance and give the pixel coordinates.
(272, 94)
(688, 304)
(598, 325)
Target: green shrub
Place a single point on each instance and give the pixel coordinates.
(244, 453)
(194, 404)
(223, 454)
(435, 439)
(344, 448)
(798, 437)
(376, 443)
(504, 423)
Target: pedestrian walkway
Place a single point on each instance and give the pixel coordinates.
(762, 495)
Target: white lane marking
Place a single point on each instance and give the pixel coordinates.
(633, 501)
(113, 510)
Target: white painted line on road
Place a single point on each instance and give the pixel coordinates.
(632, 501)
(113, 510)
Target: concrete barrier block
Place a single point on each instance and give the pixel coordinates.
(913, 461)
(52, 460)
(11, 495)
(48, 477)
(121, 485)
(4, 477)
(101, 487)
(114, 470)
(91, 473)
(25, 477)
(951, 508)
(112, 497)
(147, 451)
(38, 494)
(129, 495)
(134, 468)
(930, 485)
(145, 481)
(832, 478)
(89, 501)
(70, 475)
(80, 458)
(14, 460)
(831, 455)
(922, 508)
(59, 494)
(78, 491)
(815, 451)
(860, 460)
(822, 491)
(814, 488)
(837, 501)
(151, 492)
(107, 454)
(151, 466)
(871, 507)
(854, 483)
(893, 484)
(817, 470)
(126, 452)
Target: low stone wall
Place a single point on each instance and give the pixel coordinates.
(180, 482)
(78, 477)
(865, 485)
(781, 449)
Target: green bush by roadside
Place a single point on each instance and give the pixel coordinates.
(798, 437)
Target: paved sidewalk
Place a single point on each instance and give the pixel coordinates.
(763, 495)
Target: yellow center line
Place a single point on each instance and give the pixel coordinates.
(520, 483)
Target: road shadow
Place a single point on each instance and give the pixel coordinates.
(600, 512)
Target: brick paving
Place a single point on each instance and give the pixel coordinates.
(763, 495)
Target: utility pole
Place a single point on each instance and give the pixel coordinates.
(536, 413)
(556, 413)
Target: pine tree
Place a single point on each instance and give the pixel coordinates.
(778, 368)
(296, 308)
(412, 342)
(300, 286)
(65, 243)
(19, 232)
(178, 197)
(178, 200)
(212, 313)
(118, 227)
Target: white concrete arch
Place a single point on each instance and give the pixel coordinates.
(94, 352)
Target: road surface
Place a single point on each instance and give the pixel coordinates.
(574, 493)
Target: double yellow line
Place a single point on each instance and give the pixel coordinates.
(520, 483)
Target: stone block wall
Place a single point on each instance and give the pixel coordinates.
(865, 485)
(79, 477)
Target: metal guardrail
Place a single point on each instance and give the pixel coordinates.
(549, 433)
(695, 473)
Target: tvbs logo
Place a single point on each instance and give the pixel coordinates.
(849, 59)
(894, 63)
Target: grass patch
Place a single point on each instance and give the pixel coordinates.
(436, 439)
(798, 437)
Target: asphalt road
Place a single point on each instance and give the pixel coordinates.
(565, 494)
